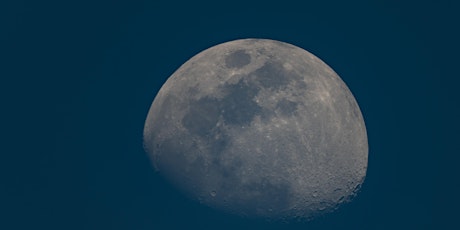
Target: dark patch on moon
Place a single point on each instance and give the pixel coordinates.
(271, 75)
(300, 84)
(237, 59)
(218, 143)
(274, 75)
(202, 116)
(228, 171)
(286, 107)
(238, 106)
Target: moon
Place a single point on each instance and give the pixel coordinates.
(259, 128)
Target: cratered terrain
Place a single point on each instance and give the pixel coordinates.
(259, 128)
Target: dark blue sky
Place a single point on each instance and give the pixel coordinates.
(79, 79)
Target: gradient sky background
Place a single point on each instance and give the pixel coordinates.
(79, 79)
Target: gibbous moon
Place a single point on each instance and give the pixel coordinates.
(259, 128)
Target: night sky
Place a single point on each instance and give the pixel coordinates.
(77, 80)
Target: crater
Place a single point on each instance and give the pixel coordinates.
(237, 59)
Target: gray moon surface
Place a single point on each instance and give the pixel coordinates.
(259, 128)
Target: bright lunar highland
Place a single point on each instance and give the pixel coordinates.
(259, 128)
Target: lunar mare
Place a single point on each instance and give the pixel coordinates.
(259, 128)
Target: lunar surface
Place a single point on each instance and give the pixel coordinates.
(259, 128)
